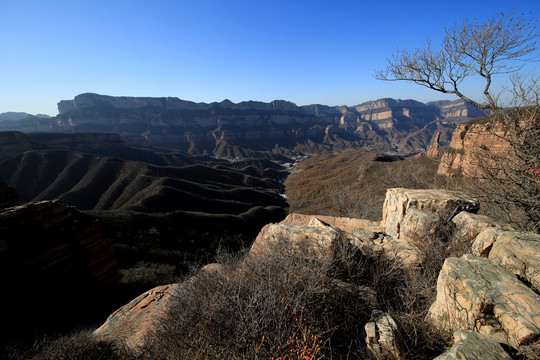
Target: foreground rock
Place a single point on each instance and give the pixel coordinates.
(519, 253)
(485, 299)
(410, 216)
(314, 232)
(130, 325)
(475, 294)
(383, 338)
(409, 213)
(470, 345)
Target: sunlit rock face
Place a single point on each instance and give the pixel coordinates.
(467, 149)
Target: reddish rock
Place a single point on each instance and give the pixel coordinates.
(136, 321)
(434, 151)
(469, 142)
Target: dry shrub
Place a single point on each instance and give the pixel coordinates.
(149, 274)
(421, 286)
(246, 307)
(354, 184)
(81, 345)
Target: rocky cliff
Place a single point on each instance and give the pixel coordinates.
(229, 129)
(470, 142)
(52, 261)
(488, 296)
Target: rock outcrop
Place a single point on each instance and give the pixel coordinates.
(227, 129)
(133, 323)
(470, 142)
(383, 338)
(486, 299)
(434, 149)
(53, 261)
(409, 213)
(475, 294)
(469, 345)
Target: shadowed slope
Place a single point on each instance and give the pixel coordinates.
(102, 183)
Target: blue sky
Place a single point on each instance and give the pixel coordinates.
(209, 50)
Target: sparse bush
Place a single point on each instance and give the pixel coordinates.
(243, 308)
(81, 345)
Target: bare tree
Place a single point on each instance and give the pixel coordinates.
(502, 45)
(472, 49)
(510, 179)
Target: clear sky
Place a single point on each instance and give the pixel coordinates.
(209, 50)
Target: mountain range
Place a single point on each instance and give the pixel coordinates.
(256, 129)
(14, 116)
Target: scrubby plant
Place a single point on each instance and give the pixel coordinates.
(242, 309)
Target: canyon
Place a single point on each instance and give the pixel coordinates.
(252, 129)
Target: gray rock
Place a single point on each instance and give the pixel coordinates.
(383, 338)
(472, 346)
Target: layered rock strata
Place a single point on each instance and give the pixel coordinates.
(467, 151)
(227, 129)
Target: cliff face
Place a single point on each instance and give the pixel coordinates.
(52, 261)
(468, 142)
(226, 128)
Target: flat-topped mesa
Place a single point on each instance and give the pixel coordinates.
(220, 128)
(89, 100)
(457, 111)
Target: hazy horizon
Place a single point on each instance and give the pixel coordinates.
(207, 51)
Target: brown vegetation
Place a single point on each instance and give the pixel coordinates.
(354, 184)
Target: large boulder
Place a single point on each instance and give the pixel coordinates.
(405, 211)
(519, 253)
(469, 225)
(317, 234)
(135, 322)
(475, 294)
(383, 337)
(469, 345)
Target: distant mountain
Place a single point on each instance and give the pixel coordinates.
(92, 182)
(14, 116)
(255, 129)
(44, 166)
